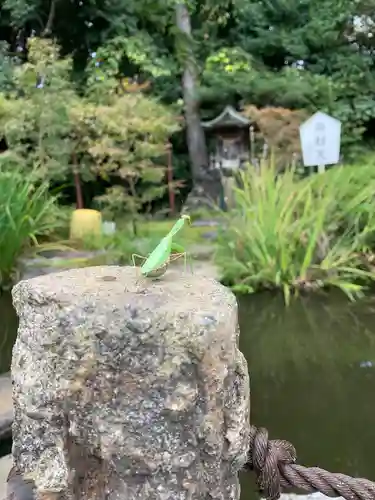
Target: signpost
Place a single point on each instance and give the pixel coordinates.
(320, 137)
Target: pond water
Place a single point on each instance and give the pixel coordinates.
(312, 369)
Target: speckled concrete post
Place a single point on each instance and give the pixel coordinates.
(126, 390)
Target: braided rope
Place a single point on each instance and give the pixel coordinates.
(273, 462)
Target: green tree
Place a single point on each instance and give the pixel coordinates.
(54, 131)
(331, 45)
(34, 116)
(294, 54)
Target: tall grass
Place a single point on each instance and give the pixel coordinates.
(297, 234)
(27, 212)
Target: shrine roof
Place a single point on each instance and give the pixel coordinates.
(229, 117)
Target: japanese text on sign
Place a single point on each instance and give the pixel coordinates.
(320, 140)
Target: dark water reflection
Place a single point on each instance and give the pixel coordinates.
(8, 330)
(312, 379)
(312, 369)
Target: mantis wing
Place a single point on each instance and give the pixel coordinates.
(158, 256)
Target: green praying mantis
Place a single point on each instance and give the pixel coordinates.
(156, 264)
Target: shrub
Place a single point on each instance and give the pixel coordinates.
(27, 213)
(297, 234)
(279, 128)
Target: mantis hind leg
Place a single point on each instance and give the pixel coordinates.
(189, 258)
(177, 256)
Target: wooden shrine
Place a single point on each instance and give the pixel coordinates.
(228, 143)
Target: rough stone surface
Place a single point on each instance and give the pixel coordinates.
(6, 463)
(126, 388)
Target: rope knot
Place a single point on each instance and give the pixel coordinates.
(266, 458)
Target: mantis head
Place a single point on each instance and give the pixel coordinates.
(186, 218)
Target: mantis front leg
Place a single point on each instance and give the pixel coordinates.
(137, 268)
(141, 257)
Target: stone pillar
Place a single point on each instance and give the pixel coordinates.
(127, 389)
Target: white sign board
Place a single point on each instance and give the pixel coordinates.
(320, 140)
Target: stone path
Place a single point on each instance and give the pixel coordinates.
(201, 255)
(57, 261)
(205, 269)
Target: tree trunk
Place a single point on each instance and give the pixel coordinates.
(51, 17)
(195, 135)
(202, 178)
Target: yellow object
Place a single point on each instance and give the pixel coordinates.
(85, 222)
